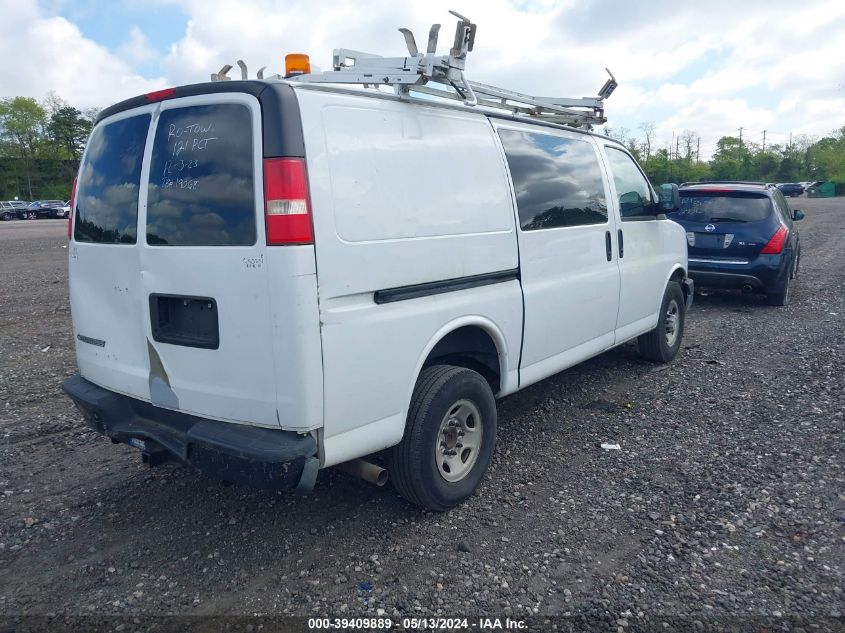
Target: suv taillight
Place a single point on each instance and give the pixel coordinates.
(72, 206)
(287, 207)
(776, 243)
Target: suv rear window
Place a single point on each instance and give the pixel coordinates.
(733, 206)
(201, 190)
(109, 182)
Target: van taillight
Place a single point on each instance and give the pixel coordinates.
(776, 244)
(72, 207)
(287, 207)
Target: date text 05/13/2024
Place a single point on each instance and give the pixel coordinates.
(417, 624)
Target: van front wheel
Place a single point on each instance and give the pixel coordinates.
(449, 438)
(663, 342)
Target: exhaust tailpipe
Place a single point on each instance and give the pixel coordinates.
(747, 288)
(364, 470)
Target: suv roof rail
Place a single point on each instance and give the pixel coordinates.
(412, 72)
(726, 182)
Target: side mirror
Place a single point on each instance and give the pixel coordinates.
(797, 214)
(669, 198)
(631, 205)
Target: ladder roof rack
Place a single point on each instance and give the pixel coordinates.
(414, 73)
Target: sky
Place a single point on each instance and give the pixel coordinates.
(708, 66)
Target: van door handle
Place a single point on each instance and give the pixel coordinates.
(621, 245)
(607, 247)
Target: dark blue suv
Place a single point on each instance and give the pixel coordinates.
(740, 235)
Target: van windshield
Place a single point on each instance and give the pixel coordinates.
(201, 190)
(732, 206)
(109, 182)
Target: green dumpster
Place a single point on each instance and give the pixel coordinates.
(825, 190)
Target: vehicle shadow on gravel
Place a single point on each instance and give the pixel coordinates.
(173, 517)
(595, 385)
(730, 299)
(195, 506)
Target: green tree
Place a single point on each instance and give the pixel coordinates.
(788, 170)
(728, 161)
(22, 121)
(765, 164)
(69, 130)
(826, 158)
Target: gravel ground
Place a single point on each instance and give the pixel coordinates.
(725, 504)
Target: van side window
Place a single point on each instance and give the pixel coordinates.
(635, 197)
(109, 183)
(201, 178)
(557, 180)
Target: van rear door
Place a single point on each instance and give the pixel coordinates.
(168, 265)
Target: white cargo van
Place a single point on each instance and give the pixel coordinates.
(269, 277)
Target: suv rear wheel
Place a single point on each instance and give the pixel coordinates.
(449, 438)
(781, 296)
(663, 342)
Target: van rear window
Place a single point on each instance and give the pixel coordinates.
(201, 190)
(109, 182)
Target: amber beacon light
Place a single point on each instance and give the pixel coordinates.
(297, 64)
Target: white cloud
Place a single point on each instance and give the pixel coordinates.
(137, 49)
(780, 70)
(713, 118)
(766, 54)
(46, 53)
(262, 32)
(709, 67)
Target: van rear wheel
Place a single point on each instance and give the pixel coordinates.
(449, 438)
(663, 342)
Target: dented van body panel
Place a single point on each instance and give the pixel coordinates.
(113, 287)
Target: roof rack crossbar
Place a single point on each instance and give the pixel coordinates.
(553, 113)
(413, 72)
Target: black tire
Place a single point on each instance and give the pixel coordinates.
(781, 296)
(413, 463)
(7, 216)
(655, 345)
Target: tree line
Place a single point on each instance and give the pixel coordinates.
(41, 144)
(805, 158)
